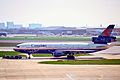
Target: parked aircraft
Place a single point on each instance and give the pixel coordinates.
(68, 49)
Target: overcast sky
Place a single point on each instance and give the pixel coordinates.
(61, 12)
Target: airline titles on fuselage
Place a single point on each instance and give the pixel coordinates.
(37, 46)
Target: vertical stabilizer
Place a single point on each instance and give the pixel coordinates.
(108, 31)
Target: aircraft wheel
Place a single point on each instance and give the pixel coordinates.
(70, 57)
(29, 56)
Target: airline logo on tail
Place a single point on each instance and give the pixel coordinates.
(107, 32)
(105, 37)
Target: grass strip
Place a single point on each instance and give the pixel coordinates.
(10, 53)
(48, 38)
(13, 53)
(85, 62)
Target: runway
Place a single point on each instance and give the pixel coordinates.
(31, 70)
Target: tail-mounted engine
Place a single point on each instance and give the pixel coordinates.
(103, 39)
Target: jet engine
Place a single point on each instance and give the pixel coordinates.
(58, 53)
(103, 39)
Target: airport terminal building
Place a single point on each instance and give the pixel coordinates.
(38, 29)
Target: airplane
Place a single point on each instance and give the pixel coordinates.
(58, 49)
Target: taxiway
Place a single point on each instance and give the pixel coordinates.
(31, 70)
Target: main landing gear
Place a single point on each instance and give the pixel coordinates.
(71, 56)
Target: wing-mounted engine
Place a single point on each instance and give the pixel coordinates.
(103, 39)
(58, 53)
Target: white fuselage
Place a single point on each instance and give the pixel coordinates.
(61, 45)
(37, 47)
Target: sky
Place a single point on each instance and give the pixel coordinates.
(61, 12)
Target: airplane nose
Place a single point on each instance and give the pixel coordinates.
(15, 49)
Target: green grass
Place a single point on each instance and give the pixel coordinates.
(50, 55)
(53, 38)
(48, 38)
(85, 62)
(83, 54)
(42, 55)
(13, 53)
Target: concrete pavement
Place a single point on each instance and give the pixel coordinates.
(31, 70)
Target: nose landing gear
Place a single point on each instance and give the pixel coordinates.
(29, 56)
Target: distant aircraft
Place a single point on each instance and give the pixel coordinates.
(68, 49)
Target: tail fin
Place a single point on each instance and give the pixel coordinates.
(105, 37)
(108, 31)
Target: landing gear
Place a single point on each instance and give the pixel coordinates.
(29, 56)
(71, 57)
